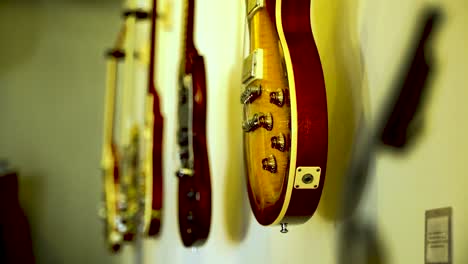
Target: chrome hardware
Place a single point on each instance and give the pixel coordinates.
(192, 194)
(183, 136)
(278, 98)
(115, 237)
(184, 153)
(187, 81)
(307, 177)
(284, 228)
(279, 142)
(121, 225)
(190, 216)
(250, 94)
(253, 67)
(269, 164)
(253, 6)
(258, 120)
(183, 172)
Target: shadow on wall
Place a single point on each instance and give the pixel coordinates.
(19, 39)
(237, 206)
(33, 189)
(335, 28)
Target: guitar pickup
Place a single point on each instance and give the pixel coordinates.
(250, 94)
(253, 6)
(253, 67)
(258, 120)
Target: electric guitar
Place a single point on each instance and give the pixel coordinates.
(285, 113)
(194, 173)
(110, 159)
(153, 136)
(130, 134)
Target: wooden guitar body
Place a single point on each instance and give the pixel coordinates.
(195, 184)
(194, 174)
(285, 113)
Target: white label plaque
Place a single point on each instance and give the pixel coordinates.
(438, 236)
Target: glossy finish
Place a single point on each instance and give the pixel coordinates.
(267, 168)
(194, 196)
(293, 91)
(312, 147)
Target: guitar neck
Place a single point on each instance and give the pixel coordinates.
(152, 64)
(113, 56)
(188, 46)
(128, 91)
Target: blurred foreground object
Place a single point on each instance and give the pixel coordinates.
(15, 238)
(395, 126)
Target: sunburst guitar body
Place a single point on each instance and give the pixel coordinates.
(285, 113)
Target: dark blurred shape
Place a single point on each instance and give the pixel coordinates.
(358, 241)
(403, 122)
(15, 238)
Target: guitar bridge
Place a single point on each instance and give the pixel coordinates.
(253, 67)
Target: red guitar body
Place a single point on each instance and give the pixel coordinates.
(311, 101)
(194, 174)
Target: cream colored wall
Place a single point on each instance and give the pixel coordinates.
(52, 76)
(432, 173)
(236, 237)
(53, 105)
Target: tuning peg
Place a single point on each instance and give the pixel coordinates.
(269, 164)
